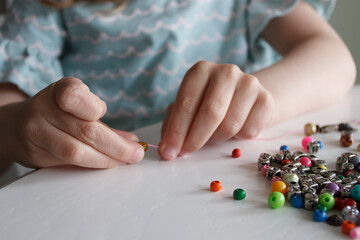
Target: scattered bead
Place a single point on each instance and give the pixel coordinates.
(319, 215)
(305, 141)
(284, 148)
(334, 220)
(297, 201)
(355, 193)
(279, 186)
(347, 226)
(346, 139)
(276, 200)
(144, 145)
(215, 186)
(327, 200)
(305, 161)
(355, 233)
(239, 194)
(310, 129)
(236, 153)
(313, 147)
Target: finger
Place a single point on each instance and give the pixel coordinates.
(98, 136)
(166, 119)
(259, 117)
(74, 97)
(72, 151)
(185, 107)
(213, 108)
(243, 100)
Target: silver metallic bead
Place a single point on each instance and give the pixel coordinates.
(311, 184)
(350, 214)
(293, 184)
(272, 172)
(325, 190)
(310, 201)
(348, 155)
(289, 168)
(307, 189)
(340, 161)
(347, 167)
(315, 176)
(349, 181)
(336, 180)
(320, 162)
(284, 152)
(354, 175)
(278, 158)
(317, 170)
(292, 191)
(313, 147)
(312, 157)
(263, 162)
(322, 182)
(346, 191)
(329, 128)
(303, 168)
(328, 175)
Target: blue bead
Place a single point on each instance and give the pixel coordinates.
(320, 215)
(284, 147)
(297, 201)
(321, 144)
(355, 193)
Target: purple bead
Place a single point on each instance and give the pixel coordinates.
(333, 187)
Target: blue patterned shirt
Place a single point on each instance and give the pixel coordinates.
(135, 59)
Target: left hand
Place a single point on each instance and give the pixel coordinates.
(217, 102)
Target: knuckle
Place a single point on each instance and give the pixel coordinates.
(200, 67)
(250, 133)
(186, 105)
(231, 71)
(214, 111)
(90, 132)
(72, 153)
(125, 154)
(232, 128)
(69, 92)
(249, 81)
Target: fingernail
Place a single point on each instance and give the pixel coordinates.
(169, 153)
(138, 155)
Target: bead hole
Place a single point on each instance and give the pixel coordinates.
(273, 199)
(216, 181)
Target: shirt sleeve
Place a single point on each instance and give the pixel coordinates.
(31, 42)
(261, 12)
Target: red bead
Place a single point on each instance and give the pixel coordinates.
(236, 153)
(338, 203)
(348, 202)
(215, 186)
(284, 162)
(348, 172)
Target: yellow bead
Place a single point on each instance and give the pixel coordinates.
(144, 144)
(323, 167)
(309, 129)
(358, 148)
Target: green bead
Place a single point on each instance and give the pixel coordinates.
(276, 200)
(327, 200)
(321, 207)
(341, 177)
(239, 194)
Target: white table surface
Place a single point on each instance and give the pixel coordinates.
(171, 200)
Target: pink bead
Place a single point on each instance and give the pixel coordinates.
(305, 161)
(275, 178)
(355, 233)
(264, 169)
(305, 141)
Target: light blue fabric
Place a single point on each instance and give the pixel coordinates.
(135, 59)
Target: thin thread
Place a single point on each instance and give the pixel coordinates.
(153, 146)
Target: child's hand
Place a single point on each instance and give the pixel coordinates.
(60, 126)
(218, 102)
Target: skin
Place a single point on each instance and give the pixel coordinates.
(61, 126)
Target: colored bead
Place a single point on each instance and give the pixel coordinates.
(264, 169)
(290, 177)
(215, 186)
(355, 193)
(358, 147)
(319, 215)
(239, 194)
(323, 167)
(327, 200)
(320, 144)
(297, 201)
(144, 145)
(236, 153)
(348, 202)
(284, 162)
(313, 147)
(334, 220)
(305, 141)
(333, 187)
(305, 161)
(355, 160)
(321, 207)
(276, 200)
(284, 147)
(350, 214)
(347, 226)
(338, 203)
(346, 139)
(355, 233)
(279, 186)
(310, 129)
(275, 178)
(341, 177)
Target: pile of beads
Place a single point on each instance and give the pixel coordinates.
(304, 180)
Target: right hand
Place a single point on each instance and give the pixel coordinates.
(60, 126)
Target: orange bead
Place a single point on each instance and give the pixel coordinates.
(215, 186)
(144, 144)
(347, 226)
(279, 186)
